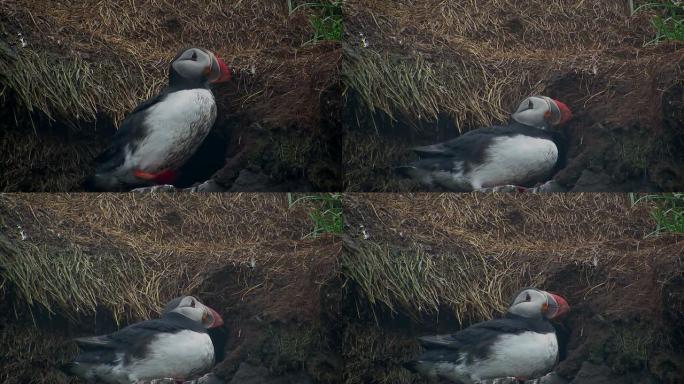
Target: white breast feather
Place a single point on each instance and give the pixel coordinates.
(177, 126)
(515, 160)
(180, 355)
(527, 355)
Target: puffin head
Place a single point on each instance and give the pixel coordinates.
(192, 309)
(199, 65)
(541, 112)
(535, 303)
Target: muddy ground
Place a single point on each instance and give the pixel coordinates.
(91, 264)
(420, 73)
(441, 262)
(70, 72)
(331, 310)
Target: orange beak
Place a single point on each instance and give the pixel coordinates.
(225, 73)
(566, 114)
(218, 320)
(563, 306)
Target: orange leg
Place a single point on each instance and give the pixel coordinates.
(166, 176)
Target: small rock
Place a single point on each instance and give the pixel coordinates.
(552, 378)
(155, 188)
(208, 186)
(551, 186)
(249, 374)
(590, 181)
(591, 373)
(249, 181)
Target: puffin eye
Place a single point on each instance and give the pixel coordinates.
(530, 105)
(194, 57)
(527, 297)
(192, 303)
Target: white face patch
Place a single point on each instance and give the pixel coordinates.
(192, 63)
(532, 112)
(529, 303)
(177, 126)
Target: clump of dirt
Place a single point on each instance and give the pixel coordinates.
(72, 72)
(630, 144)
(276, 313)
(595, 250)
(417, 74)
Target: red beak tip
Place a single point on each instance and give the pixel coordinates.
(566, 113)
(226, 72)
(563, 306)
(218, 320)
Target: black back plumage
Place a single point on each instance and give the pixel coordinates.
(472, 145)
(133, 340)
(133, 129)
(477, 340)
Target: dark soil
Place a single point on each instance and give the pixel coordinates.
(626, 134)
(55, 156)
(630, 139)
(626, 314)
(277, 320)
(278, 118)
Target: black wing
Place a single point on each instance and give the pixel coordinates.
(132, 341)
(472, 144)
(478, 338)
(479, 333)
(131, 128)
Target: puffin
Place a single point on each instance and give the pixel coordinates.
(522, 153)
(523, 344)
(176, 346)
(162, 133)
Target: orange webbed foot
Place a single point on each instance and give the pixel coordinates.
(166, 176)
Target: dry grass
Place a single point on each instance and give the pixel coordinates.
(419, 90)
(45, 163)
(410, 66)
(433, 263)
(107, 56)
(475, 59)
(441, 246)
(130, 253)
(27, 350)
(78, 264)
(372, 157)
(414, 283)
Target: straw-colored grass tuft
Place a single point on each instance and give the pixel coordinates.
(427, 250)
(413, 87)
(408, 66)
(61, 280)
(130, 253)
(72, 60)
(473, 59)
(413, 282)
(417, 264)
